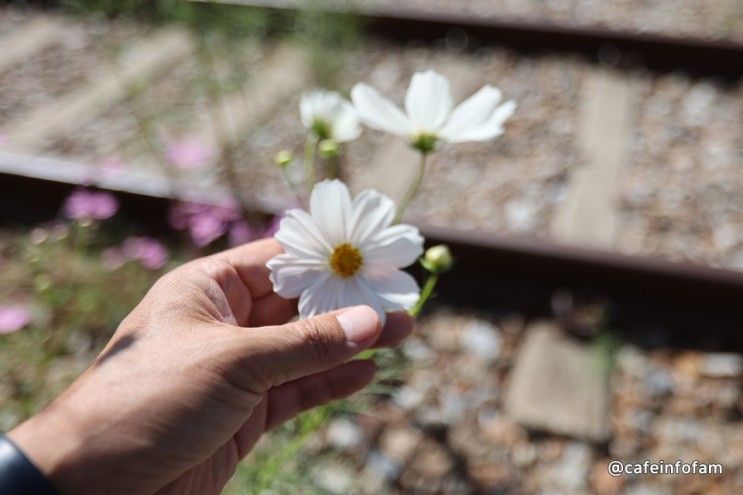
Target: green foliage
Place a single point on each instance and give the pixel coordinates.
(328, 38)
(77, 305)
(111, 8)
(279, 463)
(205, 17)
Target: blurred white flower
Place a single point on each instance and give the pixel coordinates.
(329, 116)
(430, 118)
(345, 252)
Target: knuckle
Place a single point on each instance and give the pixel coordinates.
(241, 368)
(319, 339)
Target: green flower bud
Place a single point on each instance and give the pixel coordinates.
(284, 158)
(328, 148)
(437, 259)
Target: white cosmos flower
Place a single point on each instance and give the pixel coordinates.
(429, 116)
(345, 252)
(329, 116)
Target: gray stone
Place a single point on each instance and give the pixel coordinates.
(482, 339)
(641, 420)
(344, 434)
(408, 397)
(399, 443)
(722, 365)
(521, 215)
(659, 383)
(632, 361)
(648, 489)
(334, 479)
(417, 351)
(571, 474)
(524, 454)
(559, 386)
(383, 466)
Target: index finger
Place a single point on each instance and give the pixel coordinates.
(249, 261)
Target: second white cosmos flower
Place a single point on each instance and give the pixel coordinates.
(329, 116)
(345, 252)
(429, 116)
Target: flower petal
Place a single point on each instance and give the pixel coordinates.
(332, 109)
(299, 236)
(428, 101)
(395, 247)
(320, 297)
(397, 289)
(307, 108)
(371, 212)
(472, 112)
(329, 293)
(489, 128)
(291, 276)
(330, 207)
(378, 112)
(346, 126)
(359, 292)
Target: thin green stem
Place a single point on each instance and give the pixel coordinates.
(223, 138)
(426, 294)
(292, 187)
(143, 120)
(306, 425)
(413, 188)
(310, 149)
(333, 167)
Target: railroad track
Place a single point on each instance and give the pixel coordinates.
(494, 272)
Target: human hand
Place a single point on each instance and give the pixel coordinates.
(203, 366)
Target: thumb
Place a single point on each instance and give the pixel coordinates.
(283, 353)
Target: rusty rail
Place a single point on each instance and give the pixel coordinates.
(693, 303)
(624, 48)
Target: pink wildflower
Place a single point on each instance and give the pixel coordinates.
(188, 153)
(13, 317)
(86, 204)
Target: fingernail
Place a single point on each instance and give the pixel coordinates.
(359, 323)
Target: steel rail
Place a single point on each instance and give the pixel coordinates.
(493, 272)
(626, 48)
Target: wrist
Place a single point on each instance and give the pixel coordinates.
(18, 474)
(49, 444)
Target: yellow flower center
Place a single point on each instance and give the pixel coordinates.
(345, 260)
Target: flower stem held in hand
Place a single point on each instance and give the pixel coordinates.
(413, 188)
